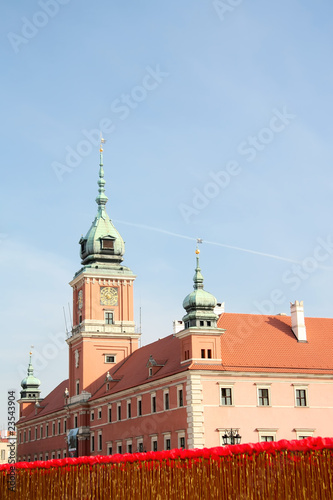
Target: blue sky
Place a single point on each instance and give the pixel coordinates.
(218, 121)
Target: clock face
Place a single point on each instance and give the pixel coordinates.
(80, 299)
(109, 296)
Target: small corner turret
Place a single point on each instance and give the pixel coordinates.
(30, 393)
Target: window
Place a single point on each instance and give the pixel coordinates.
(209, 323)
(110, 358)
(119, 448)
(263, 396)
(75, 421)
(180, 397)
(109, 413)
(266, 439)
(107, 244)
(59, 455)
(41, 456)
(209, 353)
(36, 434)
(203, 353)
(100, 441)
(24, 437)
(202, 323)
(119, 411)
(53, 455)
(166, 400)
(77, 387)
(99, 413)
(46, 456)
(182, 442)
(109, 321)
(167, 442)
(304, 433)
(139, 407)
(65, 425)
(59, 427)
(226, 396)
(154, 447)
(129, 409)
(129, 446)
(150, 372)
(92, 443)
(53, 429)
(29, 435)
(153, 403)
(92, 415)
(187, 354)
(41, 432)
(46, 431)
(267, 435)
(301, 397)
(64, 454)
(140, 445)
(110, 449)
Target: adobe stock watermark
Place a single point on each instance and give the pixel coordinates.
(293, 278)
(121, 108)
(48, 352)
(249, 148)
(224, 7)
(30, 27)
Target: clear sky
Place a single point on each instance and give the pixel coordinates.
(218, 121)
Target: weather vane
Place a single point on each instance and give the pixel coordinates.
(102, 142)
(199, 241)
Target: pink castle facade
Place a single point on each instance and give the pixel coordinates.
(218, 378)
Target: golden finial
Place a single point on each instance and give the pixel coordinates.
(102, 142)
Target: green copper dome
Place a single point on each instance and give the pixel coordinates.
(199, 304)
(102, 242)
(30, 384)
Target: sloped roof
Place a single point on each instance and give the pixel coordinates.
(133, 370)
(254, 342)
(51, 404)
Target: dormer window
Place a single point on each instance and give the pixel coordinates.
(83, 247)
(107, 244)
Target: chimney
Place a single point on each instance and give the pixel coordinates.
(219, 308)
(297, 320)
(177, 326)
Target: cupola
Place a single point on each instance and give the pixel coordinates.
(30, 384)
(199, 304)
(102, 243)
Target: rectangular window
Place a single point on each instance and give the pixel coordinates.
(92, 415)
(99, 441)
(65, 425)
(263, 397)
(139, 407)
(226, 396)
(75, 421)
(266, 439)
(24, 437)
(129, 447)
(92, 443)
(110, 449)
(29, 435)
(180, 398)
(53, 455)
(77, 387)
(110, 414)
(301, 399)
(155, 445)
(182, 442)
(107, 244)
(153, 404)
(109, 320)
(53, 428)
(203, 354)
(110, 358)
(168, 444)
(129, 410)
(36, 433)
(209, 353)
(119, 449)
(99, 413)
(46, 431)
(140, 446)
(119, 411)
(64, 454)
(59, 455)
(166, 401)
(46, 456)
(41, 432)
(59, 427)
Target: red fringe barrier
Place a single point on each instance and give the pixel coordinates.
(274, 470)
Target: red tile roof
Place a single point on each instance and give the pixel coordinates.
(133, 370)
(254, 342)
(51, 404)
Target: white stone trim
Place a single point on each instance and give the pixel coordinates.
(195, 412)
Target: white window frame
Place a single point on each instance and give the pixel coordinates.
(153, 395)
(304, 433)
(268, 387)
(129, 442)
(77, 387)
(166, 392)
(180, 388)
(181, 435)
(166, 436)
(266, 432)
(139, 441)
(99, 438)
(119, 444)
(109, 413)
(227, 386)
(119, 406)
(303, 387)
(153, 439)
(128, 404)
(139, 399)
(105, 315)
(113, 356)
(92, 441)
(99, 413)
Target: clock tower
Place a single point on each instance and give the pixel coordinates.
(103, 332)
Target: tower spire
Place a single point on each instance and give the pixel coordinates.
(101, 199)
